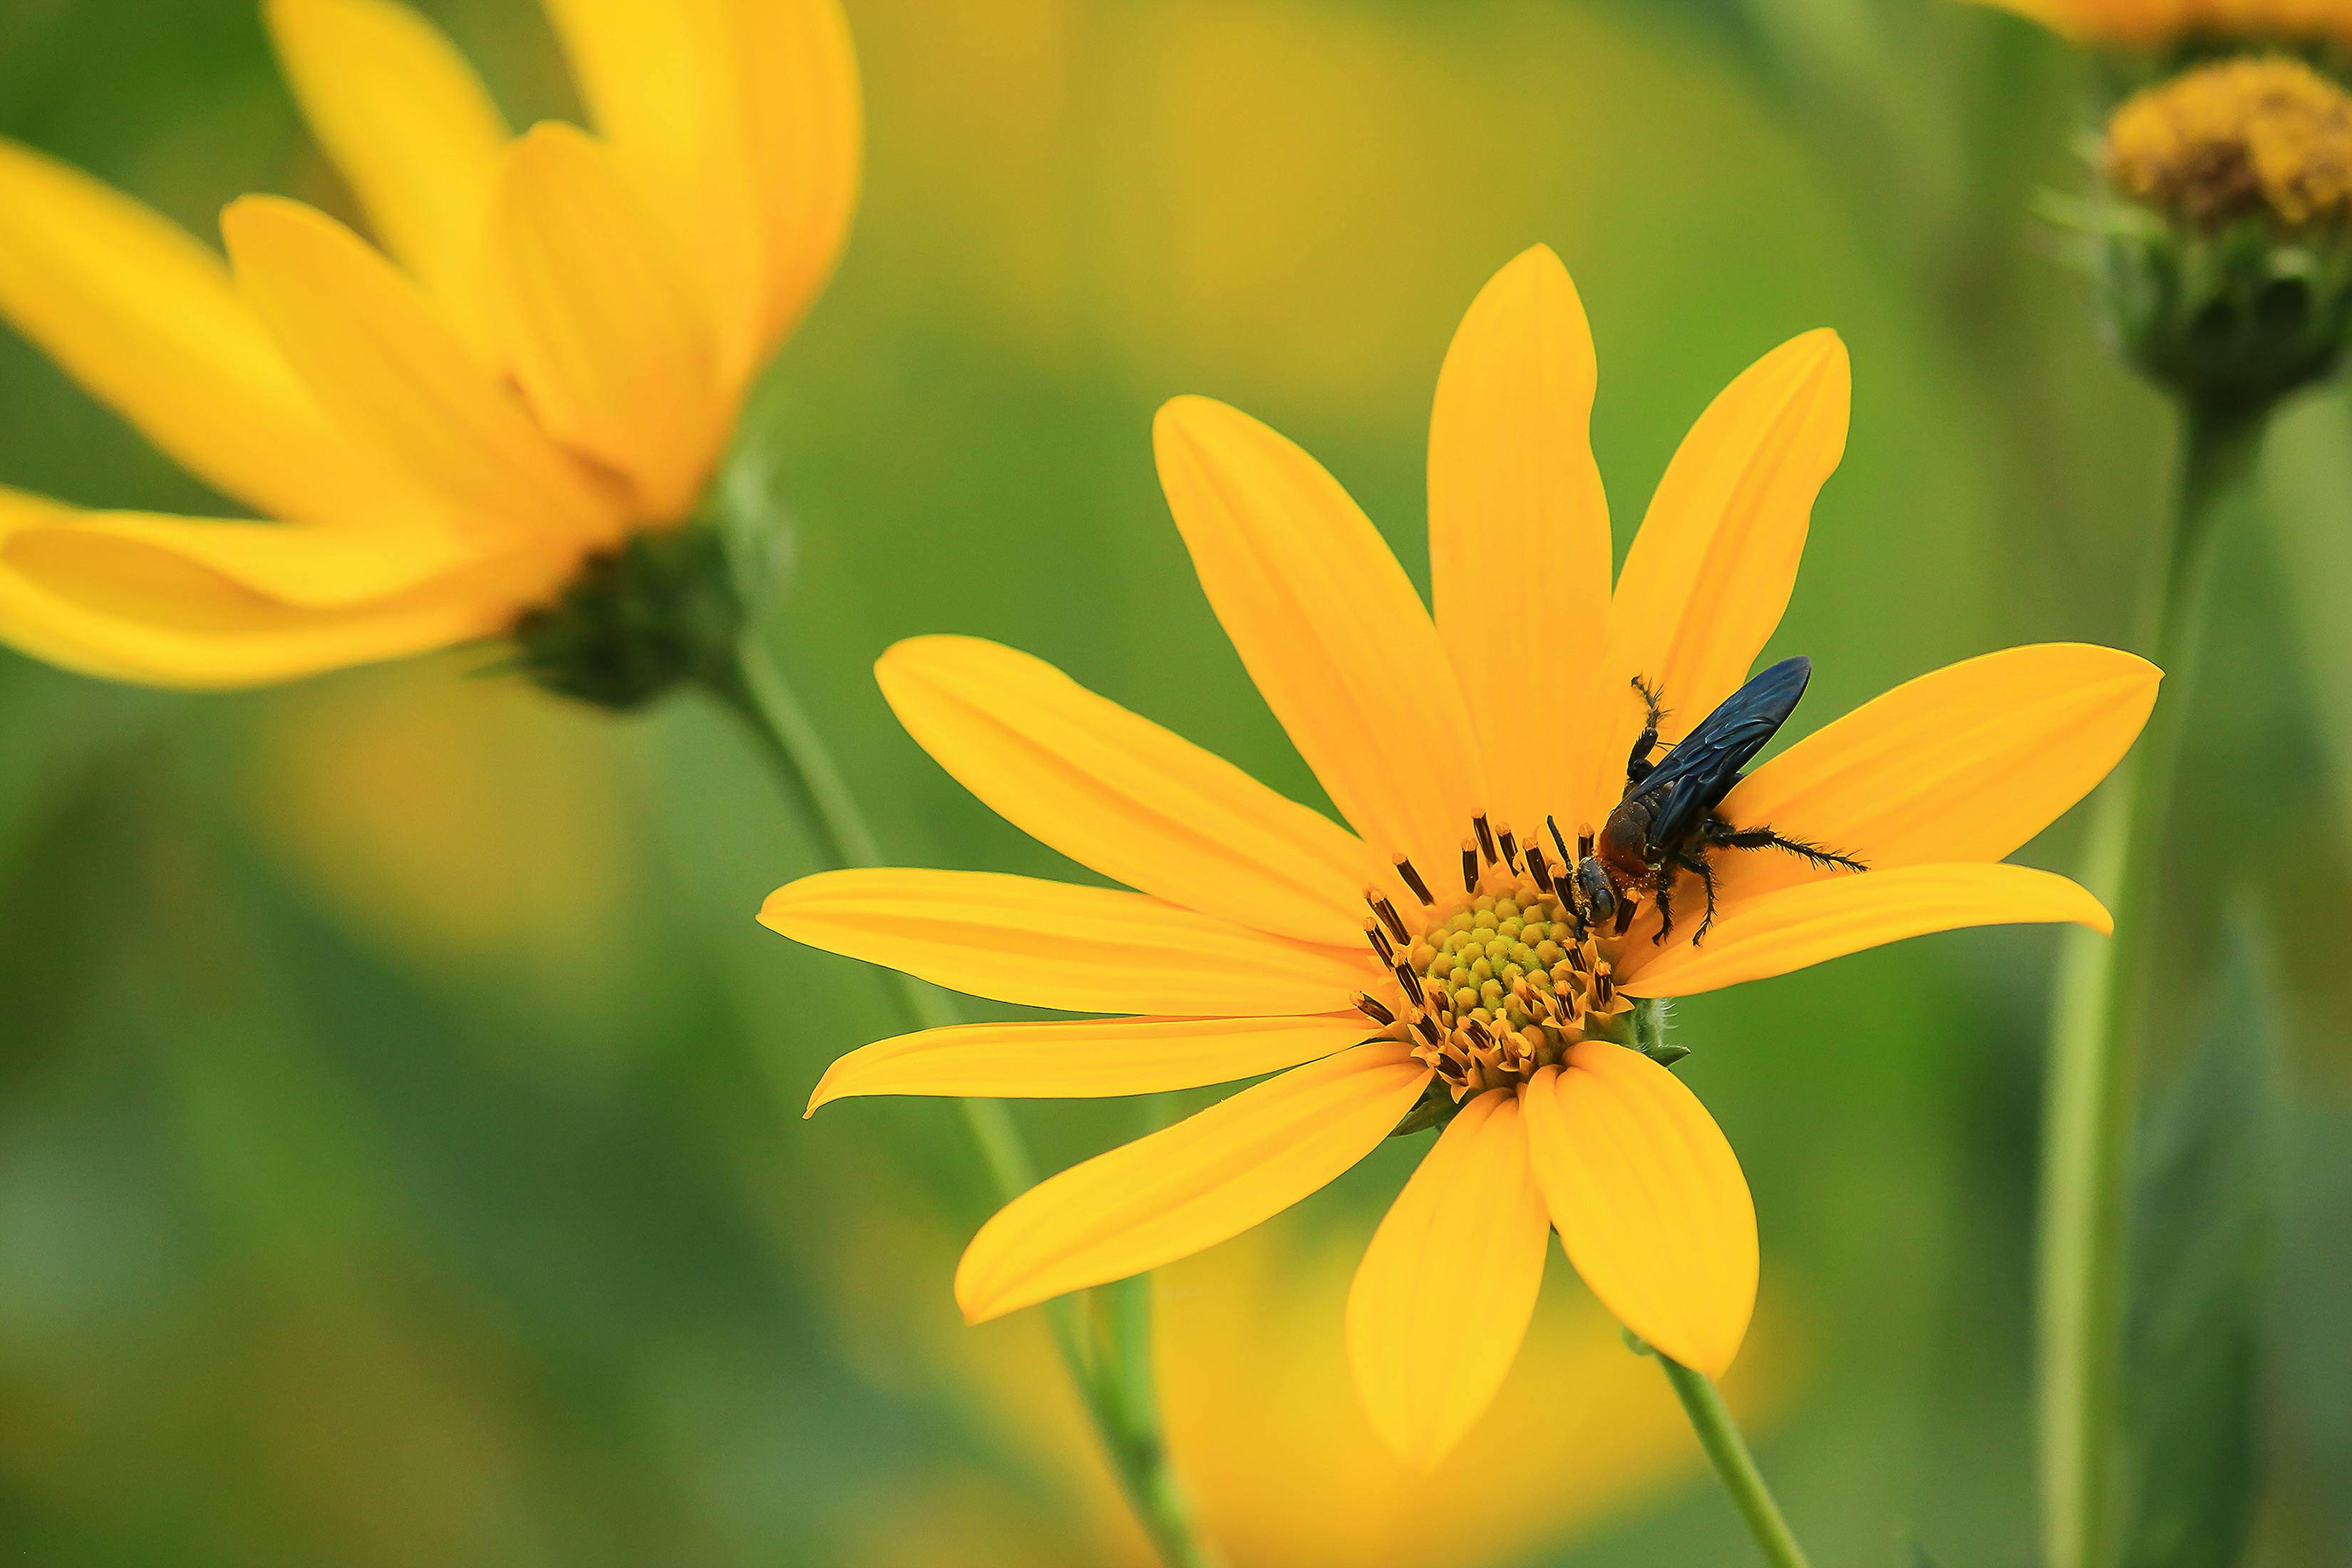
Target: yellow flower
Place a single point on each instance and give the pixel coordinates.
(547, 357)
(1245, 948)
(2155, 23)
(1282, 1469)
(2266, 137)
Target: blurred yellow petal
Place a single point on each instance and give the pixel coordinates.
(1211, 1177)
(1813, 922)
(1051, 944)
(1711, 570)
(1648, 1199)
(313, 567)
(1518, 530)
(665, 85)
(608, 331)
(806, 134)
(1329, 626)
(1083, 1058)
(410, 127)
(1117, 793)
(375, 350)
(149, 320)
(1965, 763)
(190, 604)
(1448, 1285)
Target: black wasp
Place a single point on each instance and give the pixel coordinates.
(1666, 824)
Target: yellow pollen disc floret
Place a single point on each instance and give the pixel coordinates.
(1496, 980)
(2238, 139)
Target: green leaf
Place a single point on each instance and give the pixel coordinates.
(2200, 1208)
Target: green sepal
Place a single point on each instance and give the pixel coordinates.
(1435, 1108)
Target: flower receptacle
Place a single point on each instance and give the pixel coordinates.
(661, 611)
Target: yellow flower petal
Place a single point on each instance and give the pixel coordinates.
(410, 127)
(1329, 626)
(1084, 1058)
(1794, 928)
(148, 321)
(1648, 1199)
(666, 85)
(311, 567)
(1120, 793)
(1211, 1177)
(1050, 944)
(806, 134)
(609, 333)
(376, 351)
(1519, 529)
(190, 604)
(1712, 568)
(1447, 1288)
(1965, 763)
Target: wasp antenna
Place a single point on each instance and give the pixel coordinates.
(1559, 842)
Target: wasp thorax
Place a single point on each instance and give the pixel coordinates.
(1495, 981)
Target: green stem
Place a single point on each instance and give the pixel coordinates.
(1727, 1451)
(2098, 1010)
(1110, 1364)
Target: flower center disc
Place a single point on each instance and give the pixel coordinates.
(1496, 983)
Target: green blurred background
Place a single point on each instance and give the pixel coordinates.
(400, 1151)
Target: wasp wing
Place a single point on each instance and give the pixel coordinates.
(1704, 764)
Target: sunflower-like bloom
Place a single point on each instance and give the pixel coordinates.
(2157, 23)
(545, 359)
(1426, 962)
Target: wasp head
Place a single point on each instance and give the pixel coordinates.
(1596, 895)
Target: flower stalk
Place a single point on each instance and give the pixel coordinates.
(1727, 1451)
(1104, 1336)
(2098, 1016)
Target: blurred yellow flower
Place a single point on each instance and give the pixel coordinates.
(2263, 137)
(548, 355)
(1246, 951)
(1284, 1469)
(2155, 22)
(403, 784)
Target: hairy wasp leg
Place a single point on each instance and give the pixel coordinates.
(1666, 905)
(1722, 835)
(1638, 763)
(1706, 872)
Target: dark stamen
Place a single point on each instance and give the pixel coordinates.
(1584, 841)
(1408, 979)
(1485, 836)
(1539, 868)
(1469, 867)
(1380, 941)
(1389, 916)
(1375, 1009)
(1477, 1031)
(1429, 1029)
(1413, 879)
(1510, 845)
